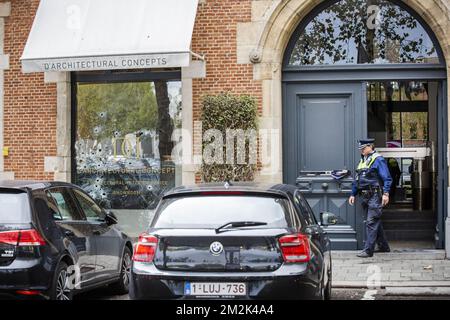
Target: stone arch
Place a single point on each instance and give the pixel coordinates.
(274, 38)
(288, 14)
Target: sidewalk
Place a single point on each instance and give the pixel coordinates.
(399, 268)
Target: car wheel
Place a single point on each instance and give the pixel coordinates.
(61, 285)
(122, 286)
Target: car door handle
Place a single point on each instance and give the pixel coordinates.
(69, 233)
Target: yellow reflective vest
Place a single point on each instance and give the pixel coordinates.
(366, 164)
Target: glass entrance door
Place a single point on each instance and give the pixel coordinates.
(402, 117)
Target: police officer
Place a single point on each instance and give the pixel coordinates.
(372, 182)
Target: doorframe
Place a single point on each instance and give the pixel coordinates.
(443, 163)
(438, 74)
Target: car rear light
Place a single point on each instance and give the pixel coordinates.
(145, 249)
(295, 248)
(22, 238)
(28, 292)
(30, 238)
(9, 237)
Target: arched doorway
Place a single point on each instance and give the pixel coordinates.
(359, 68)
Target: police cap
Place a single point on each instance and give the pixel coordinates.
(365, 142)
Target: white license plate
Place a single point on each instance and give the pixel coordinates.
(215, 289)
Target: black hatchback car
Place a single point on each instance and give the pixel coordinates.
(239, 242)
(56, 241)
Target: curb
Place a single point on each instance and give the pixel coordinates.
(393, 284)
(417, 291)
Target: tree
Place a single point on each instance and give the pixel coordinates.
(108, 110)
(351, 32)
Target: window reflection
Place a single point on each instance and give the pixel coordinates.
(398, 113)
(402, 116)
(361, 32)
(123, 141)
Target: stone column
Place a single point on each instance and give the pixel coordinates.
(447, 219)
(266, 62)
(60, 164)
(197, 69)
(447, 226)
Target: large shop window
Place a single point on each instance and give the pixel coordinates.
(123, 145)
(361, 32)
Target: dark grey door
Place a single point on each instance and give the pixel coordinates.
(321, 124)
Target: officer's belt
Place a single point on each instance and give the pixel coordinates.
(369, 191)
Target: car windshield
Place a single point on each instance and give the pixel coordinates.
(14, 208)
(215, 211)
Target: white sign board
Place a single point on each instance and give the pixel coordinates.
(108, 62)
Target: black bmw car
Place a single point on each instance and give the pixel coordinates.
(243, 241)
(55, 241)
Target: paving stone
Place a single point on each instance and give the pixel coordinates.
(398, 268)
(410, 274)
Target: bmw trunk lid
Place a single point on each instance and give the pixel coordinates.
(205, 250)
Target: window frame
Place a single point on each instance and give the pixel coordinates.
(292, 219)
(105, 77)
(79, 214)
(304, 205)
(324, 5)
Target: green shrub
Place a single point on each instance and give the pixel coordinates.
(227, 111)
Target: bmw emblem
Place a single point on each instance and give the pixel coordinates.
(216, 248)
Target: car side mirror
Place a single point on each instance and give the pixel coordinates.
(328, 218)
(110, 218)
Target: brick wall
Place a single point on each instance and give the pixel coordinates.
(30, 105)
(215, 36)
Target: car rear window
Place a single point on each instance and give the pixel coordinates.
(214, 211)
(14, 208)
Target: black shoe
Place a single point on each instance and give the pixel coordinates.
(364, 254)
(383, 250)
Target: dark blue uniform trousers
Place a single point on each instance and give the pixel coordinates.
(374, 228)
